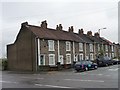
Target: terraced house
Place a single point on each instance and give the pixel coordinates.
(41, 48)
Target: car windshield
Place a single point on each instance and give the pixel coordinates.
(104, 58)
(81, 62)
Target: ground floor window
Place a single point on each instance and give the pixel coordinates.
(91, 56)
(113, 55)
(68, 58)
(80, 56)
(51, 59)
(76, 57)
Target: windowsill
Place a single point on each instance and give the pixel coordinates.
(53, 65)
(68, 50)
(51, 50)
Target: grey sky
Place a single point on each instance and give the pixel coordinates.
(78, 13)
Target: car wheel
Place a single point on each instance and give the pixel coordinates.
(86, 68)
(106, 64)
(77, 70)
(95, 67)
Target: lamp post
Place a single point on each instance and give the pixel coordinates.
(101, 29)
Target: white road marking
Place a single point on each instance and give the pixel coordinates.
(33, 78)
(53, 86)
(7, 82)
(116, 69)
(84, 80)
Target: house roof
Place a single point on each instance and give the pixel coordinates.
(107, 41)
(85, 38)
(48, 33)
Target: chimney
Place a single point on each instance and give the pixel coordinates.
(97, 34)
(24, 24)
(71, 29)
(81, 31)
(59, 27)
(44, 24)
(89, 33)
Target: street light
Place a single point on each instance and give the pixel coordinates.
(101, 29)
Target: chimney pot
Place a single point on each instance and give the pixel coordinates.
(81, 31)
(44, 24)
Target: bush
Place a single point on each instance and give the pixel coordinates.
(4, 64)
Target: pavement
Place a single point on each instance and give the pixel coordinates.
(103, 77)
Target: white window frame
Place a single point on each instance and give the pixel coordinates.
(91, 47)
(68, 61)
(112, 48)
(68, 46)
(51, 45)
(98, 47)
(53, 62)
(80, 46)
(81, 58)
(75, 57)
(113, 55)
(106, 47)
(91, 56)
(107, 54)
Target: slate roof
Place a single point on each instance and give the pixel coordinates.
(48, 33)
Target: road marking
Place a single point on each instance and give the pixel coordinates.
(7, 82)
(84, 80)
(116, 69)
(32, 78)
(53, 86)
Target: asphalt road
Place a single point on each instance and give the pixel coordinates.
(104, 77)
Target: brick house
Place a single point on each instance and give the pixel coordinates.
(39, 48)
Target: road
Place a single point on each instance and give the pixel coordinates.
(103, 77)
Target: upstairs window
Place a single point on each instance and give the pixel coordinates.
(51, 45)
(112, 48)
(68, 45)
(98, 47)
(106, 47)
(80, 46)
(91, 47)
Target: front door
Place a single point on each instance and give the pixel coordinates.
(42, 59)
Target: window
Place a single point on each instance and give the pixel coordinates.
(106, 47)
(68, 46)
(51, 45)
(91, 56)
(98, 47)
(112, 48)
(107, 54)
(113, 55)
(80, 56)
(80, 46)
(75, 57)
(91, 47)
(68, 58)
(51, 59)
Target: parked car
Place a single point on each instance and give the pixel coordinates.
(104, 61)
(116, 61)
(85, 65)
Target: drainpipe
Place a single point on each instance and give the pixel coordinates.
(37, 41)
(73, 51)
(58, 51)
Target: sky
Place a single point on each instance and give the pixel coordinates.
(90, 15)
